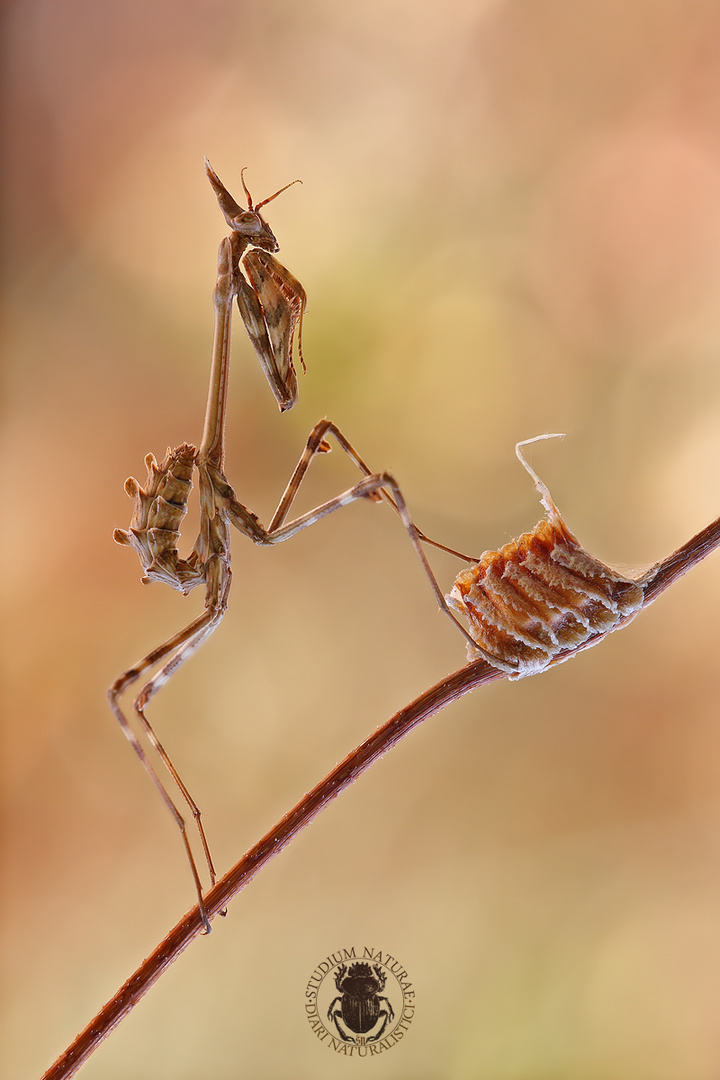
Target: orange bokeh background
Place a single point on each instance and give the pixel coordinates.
(509, 224)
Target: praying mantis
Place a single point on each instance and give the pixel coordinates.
(272, 304)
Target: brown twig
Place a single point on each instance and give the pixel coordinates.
(432, 701)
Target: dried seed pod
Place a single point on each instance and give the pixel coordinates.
(542, 597)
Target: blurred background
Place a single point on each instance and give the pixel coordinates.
(509, 224)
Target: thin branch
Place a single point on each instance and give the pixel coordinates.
(665, 573)
(432, 701)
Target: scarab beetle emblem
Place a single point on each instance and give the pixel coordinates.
(360, 1005)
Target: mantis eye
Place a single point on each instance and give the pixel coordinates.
(248, 222)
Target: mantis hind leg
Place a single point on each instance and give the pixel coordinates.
(172, 654)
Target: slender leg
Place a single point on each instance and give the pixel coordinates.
(316, 444)
(173, 654)
(373, 486)
(176, 644)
